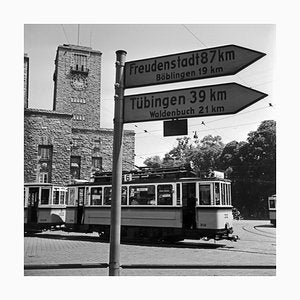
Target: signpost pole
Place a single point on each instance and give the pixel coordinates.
(115, 223)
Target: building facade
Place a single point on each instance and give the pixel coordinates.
(67, 143)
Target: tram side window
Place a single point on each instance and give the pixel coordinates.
(229, 193)
(96, 196)
(178, 194)
(142, 195)
(62, 197)
(223, 195)
(204, 194)
(56, 196)
(272, 203)
(165, 194)
(45, 196)
(25, 200)
(71, 196)
(107, 195)
(81, 196)
(217, 193)
(124, 195)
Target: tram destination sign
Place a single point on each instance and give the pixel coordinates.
(206, 63)
(221, 99)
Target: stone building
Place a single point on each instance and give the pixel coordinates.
(67, 142)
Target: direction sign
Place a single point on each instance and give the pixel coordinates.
(199, 64)
(221, 99)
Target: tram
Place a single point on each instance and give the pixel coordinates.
(162, 204)
(272, 209)
(44, 206)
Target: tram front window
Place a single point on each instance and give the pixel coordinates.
(62, 197)
(142, 195)
(71, 196)
(56, 197)
(217, 193)
(272, 203)
(204, 194)
(45, 196)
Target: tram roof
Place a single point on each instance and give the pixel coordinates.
(39, 184)
(147, 175)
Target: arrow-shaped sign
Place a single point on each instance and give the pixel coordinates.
(221, 99)
(206, 63)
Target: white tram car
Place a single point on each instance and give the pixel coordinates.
(272, 209)
(164, 204)
(44, 206)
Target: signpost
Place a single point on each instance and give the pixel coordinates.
(221, 99)
(206, 63)
(202, 101)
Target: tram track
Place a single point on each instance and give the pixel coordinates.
(256, 233)
(246, 251)
(255, 227)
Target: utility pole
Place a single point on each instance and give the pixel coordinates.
(115, 214)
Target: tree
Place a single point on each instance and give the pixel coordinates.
(253, 166)
(179, 155)
(153, 162)
(262, 151)
(206, 154)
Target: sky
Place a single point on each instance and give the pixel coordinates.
(142, 41)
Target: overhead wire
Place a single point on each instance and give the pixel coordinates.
(65, 33)
(152, 131)
(208, 122)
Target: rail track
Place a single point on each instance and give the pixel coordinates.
(260, 232)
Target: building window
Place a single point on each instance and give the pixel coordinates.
(75, 142)
(78, 100)
(45, 152)
(97, 163)
(78, 117)
(75, 167)
(96, 143)
(43, 177)
(80, 64)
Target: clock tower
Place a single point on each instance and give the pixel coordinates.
(77, 85)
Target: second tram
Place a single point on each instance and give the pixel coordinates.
(272, 209)
(44, 206)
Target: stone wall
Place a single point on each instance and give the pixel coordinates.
(43, 127)
(85, 144)
(62, 132)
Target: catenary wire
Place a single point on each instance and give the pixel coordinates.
(65, 33)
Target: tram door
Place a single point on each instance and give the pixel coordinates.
(188, 205)
(80, 206)
(33, 201)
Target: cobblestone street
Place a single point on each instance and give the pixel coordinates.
(257, 246)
